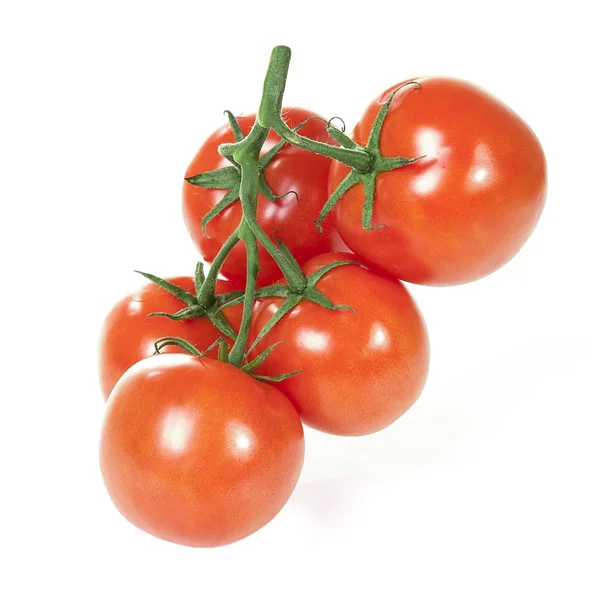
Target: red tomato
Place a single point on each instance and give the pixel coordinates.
(197, 452)
(128, 334)
(361, 371)
(467, 207)
(292, 169)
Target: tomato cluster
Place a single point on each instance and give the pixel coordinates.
(201, 451)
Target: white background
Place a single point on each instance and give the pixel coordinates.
(489, 481)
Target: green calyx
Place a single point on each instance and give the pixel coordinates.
(366, 162)
(229, 178)
(197, 305)
(292, 298)
(249, 367)
(368, 178)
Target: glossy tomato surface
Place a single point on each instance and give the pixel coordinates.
(292, 170)
(468, 206)
(197, 452)
(128, 334)
(361, 370)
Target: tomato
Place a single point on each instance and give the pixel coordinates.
(360, 371)
(197, 452)
(128, 334)
(292, 170)
(468, 206)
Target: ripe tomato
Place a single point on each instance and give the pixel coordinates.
(466, 208)
(128, 334)
(197, 452)
(292, 170)
(361, 371)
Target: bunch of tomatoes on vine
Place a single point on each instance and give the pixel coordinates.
(209, 378)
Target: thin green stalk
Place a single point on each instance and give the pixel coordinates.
(236, 356)
(207, 293)
(247, 156)
(296, 281)
(269, 115)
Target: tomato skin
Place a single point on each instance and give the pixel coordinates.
(292, 170)
(197, 452)
(466, 208)
(361, 371)
(128, 334)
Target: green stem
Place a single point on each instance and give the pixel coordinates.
(366, 163)
(247, 156)
(269, 115)
(247, 153)
(357, 158)
(206, 296)
(236, 356)
(296, 281)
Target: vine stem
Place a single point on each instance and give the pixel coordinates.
(207, 293)
(269, 115)
(247, 156)
(296, 280)
(236, 356)
(365, 163)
